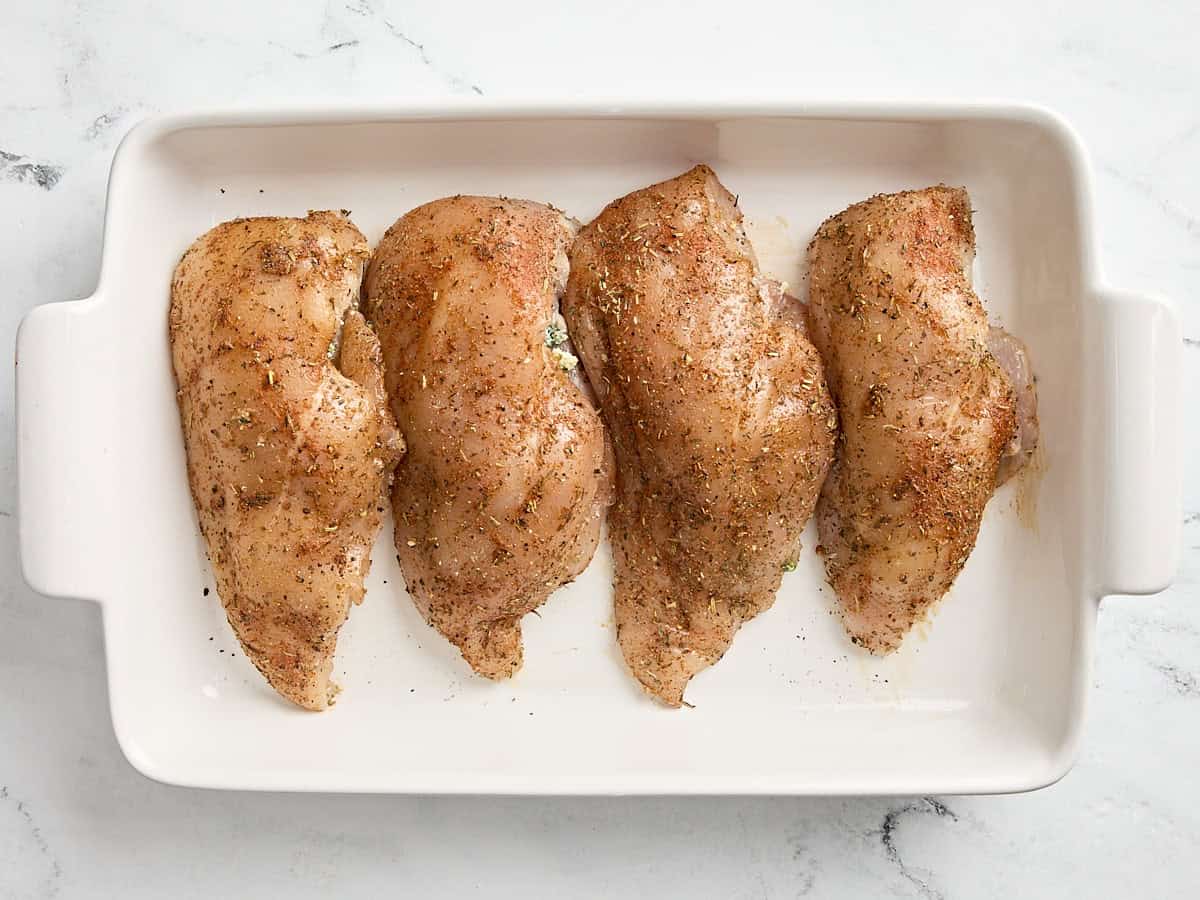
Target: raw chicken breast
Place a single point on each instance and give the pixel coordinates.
(289, 441)
(927, 410)
(502, 494)
(719, 414)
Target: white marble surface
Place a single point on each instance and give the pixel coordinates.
(76, 820)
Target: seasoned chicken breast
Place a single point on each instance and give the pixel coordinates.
(289, 440)
(719, 414)
(927, 410)
(501, 496)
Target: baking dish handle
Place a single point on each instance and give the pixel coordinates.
(1141, 358)
(60, 362)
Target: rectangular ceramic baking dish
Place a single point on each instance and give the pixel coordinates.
(988, 697)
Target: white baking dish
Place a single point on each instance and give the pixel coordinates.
(989, 697)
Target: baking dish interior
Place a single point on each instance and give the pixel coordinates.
(986, 696)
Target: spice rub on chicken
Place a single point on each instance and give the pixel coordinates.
(930, 418)
(289, 441)
(719, 414)
(502, 494)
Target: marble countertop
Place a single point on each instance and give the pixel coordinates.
(76, 820)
